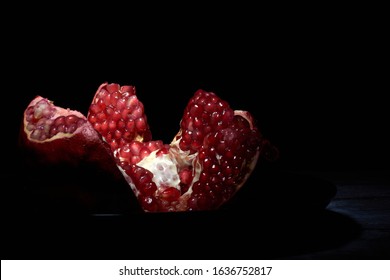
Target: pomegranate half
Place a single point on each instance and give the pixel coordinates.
(68, 164)
(207, 162)
(58, 135)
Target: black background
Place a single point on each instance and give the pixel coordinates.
(316, 87)
(314, 83)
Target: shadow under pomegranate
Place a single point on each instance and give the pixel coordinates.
(266, 220)
(276, 215)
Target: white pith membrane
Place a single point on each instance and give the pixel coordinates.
(166, 167)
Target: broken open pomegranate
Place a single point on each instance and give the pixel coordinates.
(52, 135)
(207, 162)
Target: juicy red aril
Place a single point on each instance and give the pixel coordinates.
(135, 151)
(117, 114)
(41, 124)
(170, 194)
(149, 203)
(204, 114)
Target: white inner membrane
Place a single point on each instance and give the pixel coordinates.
(163, 168)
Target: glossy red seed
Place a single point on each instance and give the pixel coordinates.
(101, 116)
(140, 124)
(207, 162)
(104, 127)
(114, 145)
(130, 125)
(59, 121)
(135, 147)
(144, 152)
(94, 109)
(112, 87)
(125, 151)
(149, 203)
(197, 187)
(111, 125)
(130, 90)
(121, 125)
(109, 111)
(117, 134)
(148, 188)
(120, 106)
(170, 194)
(116, 116)
(92, 119)
(61, 128)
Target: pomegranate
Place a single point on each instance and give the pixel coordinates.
(76, 162)
(62, 135)
(207, 162)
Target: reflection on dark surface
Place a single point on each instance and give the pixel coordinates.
(276, 215)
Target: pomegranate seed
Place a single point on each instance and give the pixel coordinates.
(61, 128)
(144, 152)
(101, 116)
(120, 105)
(103, 127)
(130, 90)
(116, 116)
(59, 121)
(121, 125)
(130, 125)
(170, 194)
(140, 124)
(125, 151)
(111, 125)
(148, 188)
(117, 134)
(111, 88)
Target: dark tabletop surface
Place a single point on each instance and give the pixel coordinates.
(365, 206)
